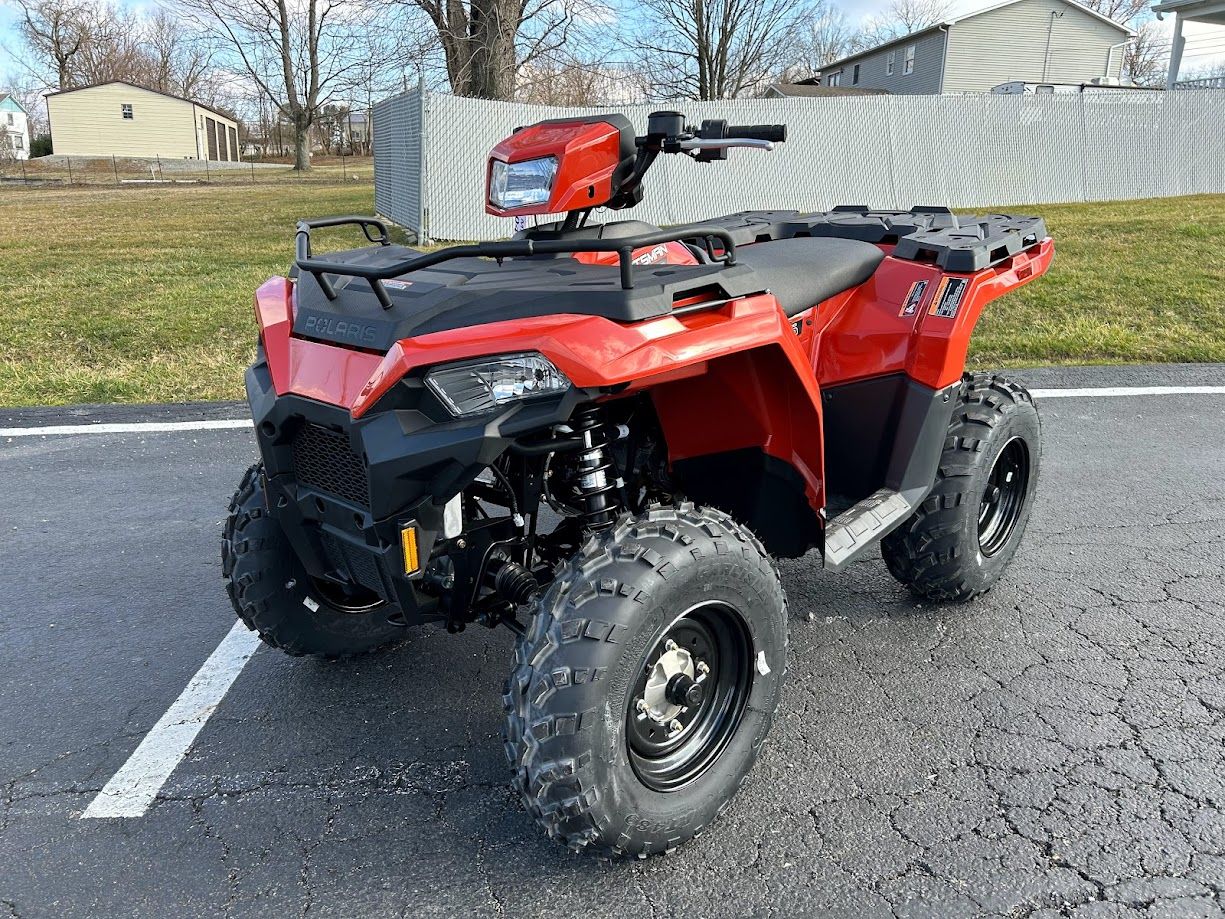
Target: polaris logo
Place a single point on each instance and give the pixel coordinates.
(357, 333)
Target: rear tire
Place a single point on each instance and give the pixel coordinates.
(661, 599)
(962, 537)
(272, 593)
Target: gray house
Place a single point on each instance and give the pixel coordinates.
(1040, 41)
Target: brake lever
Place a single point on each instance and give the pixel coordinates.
(723, 143)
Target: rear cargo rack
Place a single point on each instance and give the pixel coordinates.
(516, 248)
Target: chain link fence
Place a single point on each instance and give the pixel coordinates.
(58, 171)
(967, 151)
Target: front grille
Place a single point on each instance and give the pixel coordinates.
(323, 459)
(356, 565)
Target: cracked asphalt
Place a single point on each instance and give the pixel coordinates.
(1054, 749)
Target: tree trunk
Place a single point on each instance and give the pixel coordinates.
(301, 143)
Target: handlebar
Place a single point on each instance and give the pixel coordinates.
(775, 133)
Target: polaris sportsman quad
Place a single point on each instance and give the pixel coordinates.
(599, 435)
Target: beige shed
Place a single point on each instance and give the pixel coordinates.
(123, 119)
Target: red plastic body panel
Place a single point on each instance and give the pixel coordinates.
(738, 375)
(588, 153)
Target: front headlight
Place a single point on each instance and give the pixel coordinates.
(523, 184)
(476, 387)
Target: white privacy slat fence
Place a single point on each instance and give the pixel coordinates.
(969, 151)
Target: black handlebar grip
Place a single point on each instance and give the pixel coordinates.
(775, 133)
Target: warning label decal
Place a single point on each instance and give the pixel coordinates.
(948, 298)
(914, 298)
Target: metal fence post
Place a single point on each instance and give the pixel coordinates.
(423, 236)
(68, 159)
(24, 179)
(253, 172)
(115, 169)
(161, 175)
(207, 175)
(343, 174)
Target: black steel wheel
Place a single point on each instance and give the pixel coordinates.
(967, 530)
(690, 696)
(676, 616)
(1004, 497)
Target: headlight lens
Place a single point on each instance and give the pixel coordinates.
(476, 387)
(522, 184)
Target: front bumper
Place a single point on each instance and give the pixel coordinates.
(343, 489)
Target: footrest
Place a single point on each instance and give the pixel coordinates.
(858, 527)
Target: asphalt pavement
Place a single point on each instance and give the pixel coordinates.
(1056, 748)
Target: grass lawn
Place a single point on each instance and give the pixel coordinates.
(144, 294)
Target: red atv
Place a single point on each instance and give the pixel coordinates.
(599, 436)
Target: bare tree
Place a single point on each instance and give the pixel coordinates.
(301, 54)
(1121, 11)
(901, 17)
(177, 59)
(485, 42)
(717, 49)
(827, 37)
(73, 43)
(56, 32)
(1146, 57)
(112, 49)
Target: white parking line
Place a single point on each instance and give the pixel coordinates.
(132, 789)
(134, 427)
(153, 427)
(1095, 391)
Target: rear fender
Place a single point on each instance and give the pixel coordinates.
(911, 317)
(938, 358)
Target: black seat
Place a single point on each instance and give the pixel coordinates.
(803, 271)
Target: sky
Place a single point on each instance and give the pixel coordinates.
(1206, 44)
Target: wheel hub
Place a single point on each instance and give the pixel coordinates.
(662, 701)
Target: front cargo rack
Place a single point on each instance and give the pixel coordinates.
(515, 248)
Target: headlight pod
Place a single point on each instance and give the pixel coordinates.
(523, 184)
(476, 387)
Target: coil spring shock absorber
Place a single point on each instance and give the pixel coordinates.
(591, 475)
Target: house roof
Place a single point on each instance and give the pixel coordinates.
(77, 89)
(805, 88)
(944, 24)
(9, 97)
(1211, 11)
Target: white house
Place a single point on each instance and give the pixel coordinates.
(14, 128)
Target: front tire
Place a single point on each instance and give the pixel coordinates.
(273, 594)
(645, 687)
(967, 530)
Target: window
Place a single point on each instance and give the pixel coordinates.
(18, 141)
(855, 75)
(908, 66)
(834, 79)
(127, 111)
(890, 61)
(10, 114)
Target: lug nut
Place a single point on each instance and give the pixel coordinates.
(674, 726)
(670, 645)
(642, 706)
